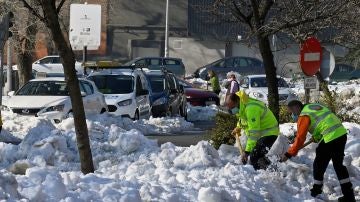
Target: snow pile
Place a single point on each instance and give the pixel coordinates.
(130, 167)
(168, 125)
(200, 155)
(197, 113)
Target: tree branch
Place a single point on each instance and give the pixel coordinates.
(246, 19)
(58, 9)
(265, 10)
(32, 10)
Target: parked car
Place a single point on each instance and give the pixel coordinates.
(343, 72)
(52, 66)
(49, 98)
(174, 65)
(125, 91)
(199, 97)
(256, 86)
(243, 65)
(167, 96)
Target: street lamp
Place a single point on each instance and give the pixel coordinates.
(167, 30)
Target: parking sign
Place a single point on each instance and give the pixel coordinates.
(85, 26)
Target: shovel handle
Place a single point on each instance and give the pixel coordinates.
(306, 144)
(242, 152)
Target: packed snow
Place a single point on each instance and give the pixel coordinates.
(198, 113)
(130, 167)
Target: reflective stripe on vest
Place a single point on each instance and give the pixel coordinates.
(317, 118)
(334, 127)
(257, 134)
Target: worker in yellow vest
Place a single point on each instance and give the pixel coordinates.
(259, 124)
(327, 130)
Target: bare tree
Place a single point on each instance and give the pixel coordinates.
(298, 19)
(48, 13)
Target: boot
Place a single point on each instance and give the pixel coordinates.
(316, 190)
(348, 192)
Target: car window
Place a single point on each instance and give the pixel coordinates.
(344, 68)
(113, 84)
(220, 63)
(56, 60)
(142, 61)
(171, 62)
(229, 62)
(240, 62)
(259, 82)
(154, 61)
(87, 87)
(47, 60)
(44, 88)
(253, 62)
(157, 83)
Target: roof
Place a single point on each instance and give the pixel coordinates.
(260, 75)
(129, 72)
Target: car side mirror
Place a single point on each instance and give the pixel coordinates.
(11, 93)
(83, 94)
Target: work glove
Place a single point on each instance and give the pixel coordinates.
(236, 131)
(244, 158)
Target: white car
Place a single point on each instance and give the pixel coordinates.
(125, 92)
(256, 87)
(52, 66)
(49, 98)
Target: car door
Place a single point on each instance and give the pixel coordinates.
(93, 100)
(141, 101)
(174, 95)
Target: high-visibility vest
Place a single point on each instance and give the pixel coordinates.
(257, 120)
(324, 124)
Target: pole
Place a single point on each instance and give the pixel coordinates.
(85, 59)
(1, 76)
(167, 30)
(307, 96)
(9, 67)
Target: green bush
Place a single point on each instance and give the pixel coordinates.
(284, 115)
(221, 134)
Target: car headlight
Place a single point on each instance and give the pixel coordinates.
(4, 108)
(57, 108)
(258, 95)
(160, 101)
(125, 103)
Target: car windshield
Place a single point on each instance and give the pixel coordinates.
(44, 88)
(258, 82)
(114, 84)
(157, 83)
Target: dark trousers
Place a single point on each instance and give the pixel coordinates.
(334, 151)
(258, 155)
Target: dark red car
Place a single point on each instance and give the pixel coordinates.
(199, 97)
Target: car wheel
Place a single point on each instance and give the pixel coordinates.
(137, 116)
(103, 110)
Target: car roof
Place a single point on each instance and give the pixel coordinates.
(260, 76)
(55, 79)
(128, 72)
(138, 58)
(154, 72)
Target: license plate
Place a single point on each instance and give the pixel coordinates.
(210, 103)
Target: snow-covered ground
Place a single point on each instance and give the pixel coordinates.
(130, 167)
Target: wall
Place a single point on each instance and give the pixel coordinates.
(195, 53)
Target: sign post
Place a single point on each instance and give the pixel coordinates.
(310, 62)
(85, 28)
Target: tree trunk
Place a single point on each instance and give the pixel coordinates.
(68, 61)
(270, 70)
(24, 67)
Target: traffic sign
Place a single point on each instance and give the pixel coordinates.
(310, 83)
(327, 63)
(310, 56)
(85, 26)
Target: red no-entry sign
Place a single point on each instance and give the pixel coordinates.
(310, 56)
